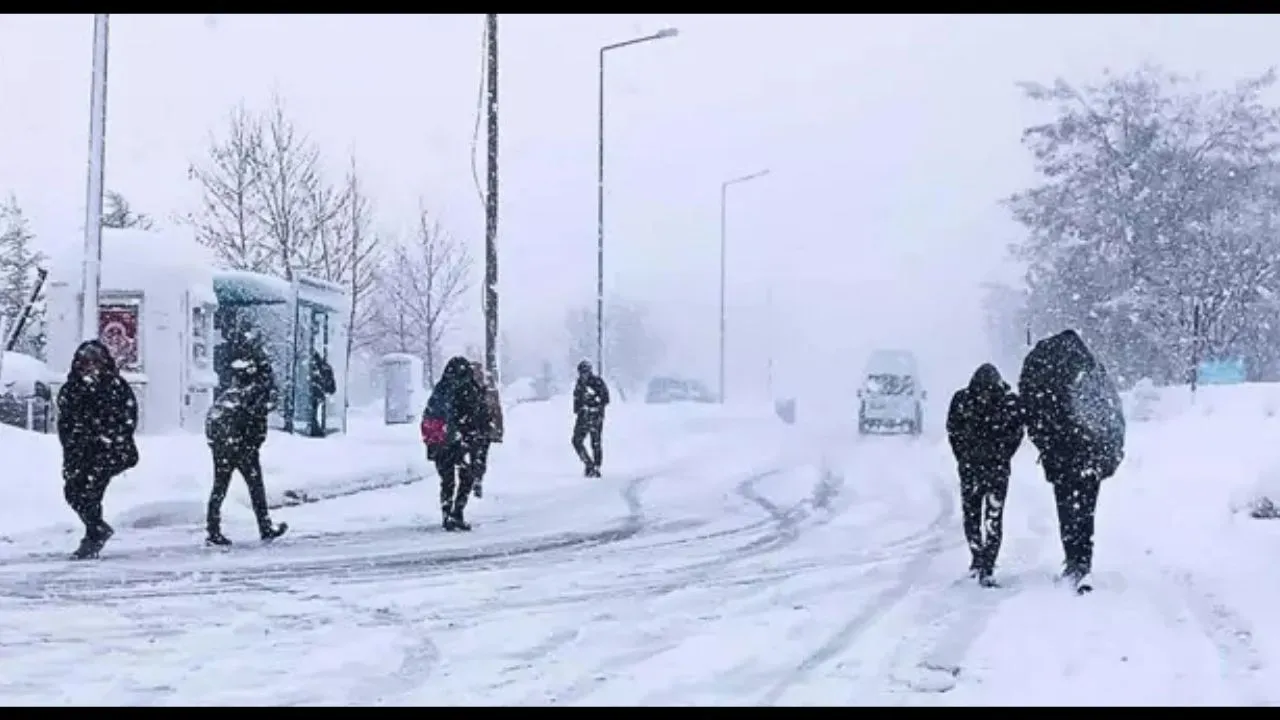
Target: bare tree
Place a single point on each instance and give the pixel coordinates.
(421, 288)
(292, 201)
(119, 214)
(227, 221)
(632, 350)
(346, 248)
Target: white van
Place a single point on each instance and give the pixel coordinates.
(891, 398)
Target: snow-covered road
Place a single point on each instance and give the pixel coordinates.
(753, 567)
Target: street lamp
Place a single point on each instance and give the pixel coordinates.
(724, 197)
(660, 35)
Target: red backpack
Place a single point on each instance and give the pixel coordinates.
(433, 431)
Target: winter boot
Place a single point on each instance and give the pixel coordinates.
(93, 542)
(986, 578)
(447, 520)
(268, 532)
(460, 523)
(88, 550)
(1072, 574)
(1084, 583)
(215, 537)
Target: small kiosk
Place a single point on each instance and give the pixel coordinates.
(404, 386)
(295, 321)
(155, 314)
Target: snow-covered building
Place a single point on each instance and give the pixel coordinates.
(165, 310)
(155, 314)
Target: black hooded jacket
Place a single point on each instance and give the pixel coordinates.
(237, 420)
(1073, 410)
(590, 395)
(459, 400)
(984, 422)
(97, 415)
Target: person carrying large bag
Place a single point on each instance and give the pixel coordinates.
(1075, 419)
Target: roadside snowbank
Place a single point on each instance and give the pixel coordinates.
(19, 374)
(1218, 445)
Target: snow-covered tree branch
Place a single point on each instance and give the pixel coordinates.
(1150, 227)
(19, 264)
(421, 288)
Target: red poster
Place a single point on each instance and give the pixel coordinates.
(118, 330)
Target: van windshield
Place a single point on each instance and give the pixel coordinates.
(890, 385)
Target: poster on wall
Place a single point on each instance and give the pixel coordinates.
(118, 330)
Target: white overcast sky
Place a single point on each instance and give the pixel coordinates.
(890, 140)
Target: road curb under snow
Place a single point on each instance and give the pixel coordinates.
(379, 481)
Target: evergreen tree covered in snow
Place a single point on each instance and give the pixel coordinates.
(1150, 229)
(19, 264)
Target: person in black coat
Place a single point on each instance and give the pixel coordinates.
(1075, 419)
(590, 398)
(984, 427)
(236, 428)
(322, 385)
(458, 405)
(493, 414)
(97, 417)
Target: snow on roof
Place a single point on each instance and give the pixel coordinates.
(251, 288)
(399, 357)
(19, 373)
(134, 259)
(891, 362)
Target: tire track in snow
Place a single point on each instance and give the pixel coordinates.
(417, 661)
(931, 659)
(848, 633)
(787, 528)
(105, 579)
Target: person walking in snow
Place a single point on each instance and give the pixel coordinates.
(590, 398)
(1075, 419)
(97, 417)
(236, 428)
(454, 424)
(984, 428)
(493, 432)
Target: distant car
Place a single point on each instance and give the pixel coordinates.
(891, 398)
(669, 390)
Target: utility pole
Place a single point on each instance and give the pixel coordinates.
(491, 211)
(91, 268)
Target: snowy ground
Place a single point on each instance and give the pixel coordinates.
(724, 559)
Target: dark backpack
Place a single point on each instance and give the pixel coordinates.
(1072, 407)
(229, 417)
